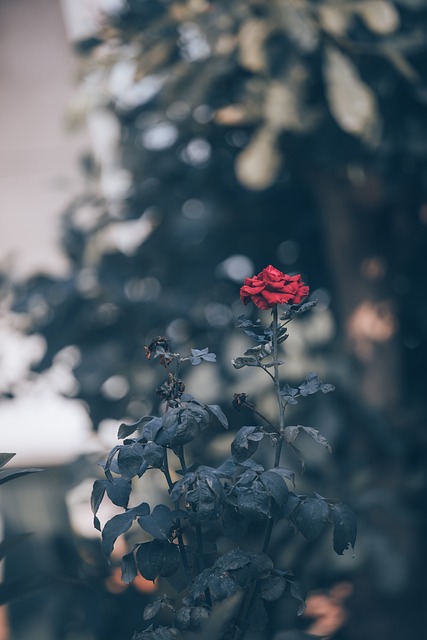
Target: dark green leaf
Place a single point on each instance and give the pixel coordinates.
(130, 459)
(159, 523)
(276, 486)
(310, 517)
(152, 609)
(126, 430)
(109, 461)
(10, 474)
(199, 352)
(95, 501)
(183, 617)
(317, 436)
(151, 429)
(154, 455)
(245, 361)
(198, 616)
(327, 388)
(272, 588)
(286, 474)
(245, 443)
(221, 586)
(120, 524)
(253, 502)
(251, 464)
(289, 394)
(293, 310)
(157, 558)
(234, 559)
(182, 486)
(310, 385)
(345, 527)
(118, 491)
(129, 569)
(216, 410)
(291, 433)
(290, 505)
(227, 469)
(160, 633)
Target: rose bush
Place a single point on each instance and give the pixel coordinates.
(271, 287)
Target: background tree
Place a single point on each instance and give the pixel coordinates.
(241, 133)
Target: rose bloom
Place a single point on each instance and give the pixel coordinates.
(271, 287)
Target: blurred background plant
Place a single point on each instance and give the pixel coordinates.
(230, 135)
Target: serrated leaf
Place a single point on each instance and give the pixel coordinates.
(183, 617)
(244, 361)
(345, 527)
(290, 433)
(310, 517)
(317, 436)
(216, 410)
(119, 524)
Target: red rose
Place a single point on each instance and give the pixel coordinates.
(271, 287)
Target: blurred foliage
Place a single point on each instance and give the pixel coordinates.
(231, 135)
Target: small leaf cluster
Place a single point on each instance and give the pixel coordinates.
(234, 498)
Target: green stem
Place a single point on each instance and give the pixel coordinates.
(199, 534)
(251, 406)
(249, 599)
(181, 545)
(276, 368)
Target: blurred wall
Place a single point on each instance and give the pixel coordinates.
(38, 157)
